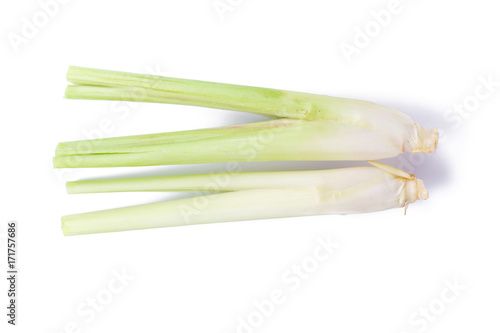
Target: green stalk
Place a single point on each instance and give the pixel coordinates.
(249, 196)
(224, 207)
(103, 84)
(289, 140)
(310, 127)
(152, 142)
(341, 179)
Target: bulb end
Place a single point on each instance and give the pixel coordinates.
(422, 193)
(428, 140)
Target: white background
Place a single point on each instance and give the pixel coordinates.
(428, 58)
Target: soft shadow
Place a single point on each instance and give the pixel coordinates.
(431, 168)
(434, 168)
(426, 115)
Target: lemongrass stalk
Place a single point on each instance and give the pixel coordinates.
(113, 85)
(340, 179)
(224, 207)
(289, 140)
(152, 142)
(93, 84)
(254, 196)
(313, 127)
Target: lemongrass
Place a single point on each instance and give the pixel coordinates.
(249, 196)
(308, 127)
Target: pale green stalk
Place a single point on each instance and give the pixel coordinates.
(249, 196)
(340, 179)
(311, 127)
